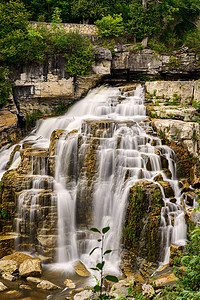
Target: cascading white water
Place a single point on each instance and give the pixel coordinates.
(116, 128)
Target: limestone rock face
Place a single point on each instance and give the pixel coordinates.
(30, 267)
(175, 250)
(167, 89)
(182, 133)
(102, 53)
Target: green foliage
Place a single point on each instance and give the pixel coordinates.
(189, 278)
(3, 213)
(192, 40)
(56, 16)
(5, 86)
(13, 17)
(86, 9)
(158, 46)
(149, 21)
(110, 26)
(196, 104)
(78, 53)
(31, 118)
(98, 288)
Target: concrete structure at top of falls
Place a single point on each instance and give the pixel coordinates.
(101, 164)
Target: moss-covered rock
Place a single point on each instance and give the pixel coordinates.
(141, 235)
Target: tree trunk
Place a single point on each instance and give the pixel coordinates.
(86, 21)
(144, 3)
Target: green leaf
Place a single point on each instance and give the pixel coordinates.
(107, 251)
(93, 250)
(105, 229)
(111, 278)
(97, 288)
(95, 229)
(95, 269)
(100, 265)
(3, 213)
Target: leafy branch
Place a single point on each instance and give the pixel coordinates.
(100, 265)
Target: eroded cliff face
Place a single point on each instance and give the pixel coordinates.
(143, 216)
(47, 88)
(172, 105)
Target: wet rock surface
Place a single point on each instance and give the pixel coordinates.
(145, 202)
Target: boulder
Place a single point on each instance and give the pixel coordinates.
(30, 267)
(193, 216)
(84, 295)
(24, 287)
(76, 291)
(18, 257)
(167, 189)
(119, 289)
(3, 287)
(34, 279)
(8, 277)
(148, 290)
(80, 269)
(47, 285)
(69, 283)
(8, 266)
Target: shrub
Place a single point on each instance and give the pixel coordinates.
(110, 26)
(189, 278)
(78, 53)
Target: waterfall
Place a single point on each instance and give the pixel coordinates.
(107, 145)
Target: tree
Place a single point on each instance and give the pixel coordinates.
(13, 17)
(110, 26)
(149, 18)
(13, 30)
(87, 9)
(5, 86)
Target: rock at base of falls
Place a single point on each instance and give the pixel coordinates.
(33, 279)
(47, 285)
(175, 251)
(8, 266)
(84, 295)
(8, 277)
(69, 283)
(3, 287)
(80, 269)
(148, 290)
(31, 267)
(18, 257)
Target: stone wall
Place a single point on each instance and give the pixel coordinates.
(86, 29)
